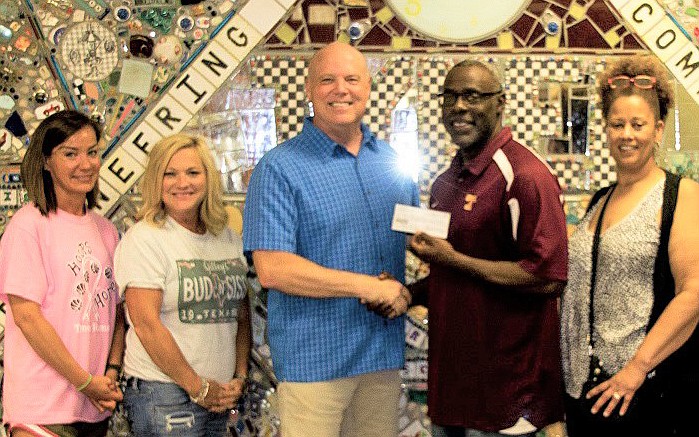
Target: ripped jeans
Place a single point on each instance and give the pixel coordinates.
(160, 409)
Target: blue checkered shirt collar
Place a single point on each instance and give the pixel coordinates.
(329, 148)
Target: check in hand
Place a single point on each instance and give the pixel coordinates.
(393, 304)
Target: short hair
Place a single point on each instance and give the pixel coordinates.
(660, 97)
(472, 63)
(212, 211)
(53, 131)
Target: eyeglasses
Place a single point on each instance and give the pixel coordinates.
(469, 96)
(642, 81)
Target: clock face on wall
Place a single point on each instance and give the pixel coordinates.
(458, 20)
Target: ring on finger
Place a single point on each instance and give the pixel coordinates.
(616, 395)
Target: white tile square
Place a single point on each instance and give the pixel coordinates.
(192, 90)
(108, 197)
(215, 63)
(168, 117)
(618, 4)
(239, 37)
(286, 4)
(8, 197)
(263, 14)
(140, 142)
(680, 65)
(121, 171)
(665, 39)
(642, 15)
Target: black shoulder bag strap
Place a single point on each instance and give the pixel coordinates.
(593, 271)
(596, 197)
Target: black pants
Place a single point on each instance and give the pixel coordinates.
(647, 418)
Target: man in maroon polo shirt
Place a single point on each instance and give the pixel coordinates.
(494, 362)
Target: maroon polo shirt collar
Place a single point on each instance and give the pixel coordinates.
(477, 165)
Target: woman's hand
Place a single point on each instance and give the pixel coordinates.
(103, 392)
(222, 397)
(621, 387)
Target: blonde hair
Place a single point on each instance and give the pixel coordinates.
(211, 211)
(660, 97)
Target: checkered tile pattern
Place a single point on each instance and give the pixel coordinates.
(394, 77)
(436, 149)
(391, 82)
(287, 76)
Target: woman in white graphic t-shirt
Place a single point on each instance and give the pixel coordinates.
(184, 278)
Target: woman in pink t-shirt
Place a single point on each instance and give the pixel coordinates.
(64, 332)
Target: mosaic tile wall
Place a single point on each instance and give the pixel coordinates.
(398, 76)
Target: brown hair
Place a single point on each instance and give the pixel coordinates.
(660, 97)
(52, 132)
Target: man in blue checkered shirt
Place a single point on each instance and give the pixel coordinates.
(318, 224)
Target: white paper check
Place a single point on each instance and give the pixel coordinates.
(410, 219)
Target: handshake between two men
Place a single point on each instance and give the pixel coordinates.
(391, 299)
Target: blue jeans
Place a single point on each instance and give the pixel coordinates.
(460, 431)
(159, 409)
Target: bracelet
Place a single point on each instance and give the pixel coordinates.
(203, 391)
(85, 384)
(116, 367)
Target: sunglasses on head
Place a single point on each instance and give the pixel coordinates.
(642, 81)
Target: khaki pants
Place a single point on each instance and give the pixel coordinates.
(359, 406)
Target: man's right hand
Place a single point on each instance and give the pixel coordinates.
(391, 298)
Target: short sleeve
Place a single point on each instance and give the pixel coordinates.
(20, 248)
(542, 236)
(270, 215)
(139, 260)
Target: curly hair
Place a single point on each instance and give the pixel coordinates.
(660, 97)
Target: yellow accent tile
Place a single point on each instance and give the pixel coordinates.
(384, 15)
(286, 33)
(356, 3)
(401, 42)
(612, 38)
(343, 37)
(506, 40)
(553, 41)
(577, 11)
